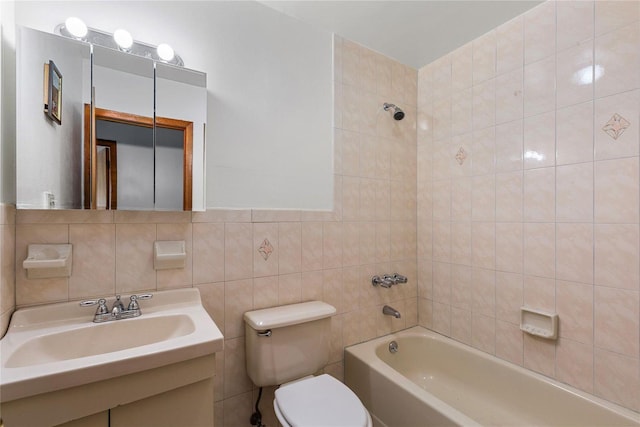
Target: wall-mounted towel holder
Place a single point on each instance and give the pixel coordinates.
(46, 261)
(169, 254)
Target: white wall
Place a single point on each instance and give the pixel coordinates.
(269, 77)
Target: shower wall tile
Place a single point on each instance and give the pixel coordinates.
(574, 134)
(539, 292)
(622, 138)
(574, 304)
(617, 378)
(545, 195)
(539, 355)
(574, 252)
(484, 151)
(509, 246)
(540, 140)
(575, 21)
(483, 333)
(540, 32)
(509, 145)
(617, 53)
(574, 193)
(539, 195)
(574, 364)
(509, 342)
(510, 46)
(613, 14)
(539, 86)
(461, 325)
(461, 68)
(616, 191)
(509, 96)
(508, 199)
(617, 256)
(616, 320)
(574, 74)
(484, 57)
(484, 104)
(509, 297)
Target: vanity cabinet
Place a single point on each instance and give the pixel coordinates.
(180, 394)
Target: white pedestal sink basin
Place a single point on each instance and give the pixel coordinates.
(57, 346)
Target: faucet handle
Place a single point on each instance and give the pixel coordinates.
(102, 305)
(133, 300)
(385, 282)
(399, 278)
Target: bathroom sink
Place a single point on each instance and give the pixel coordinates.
(57, 346)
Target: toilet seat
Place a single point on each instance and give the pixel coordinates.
(319, 401)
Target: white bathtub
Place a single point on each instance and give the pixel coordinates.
(433, 381)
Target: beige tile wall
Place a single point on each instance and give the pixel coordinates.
(527, 197)
(327, 256)
(7, 270)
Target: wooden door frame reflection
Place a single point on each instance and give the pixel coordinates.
(90, 151)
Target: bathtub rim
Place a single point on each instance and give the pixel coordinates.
(366, 352)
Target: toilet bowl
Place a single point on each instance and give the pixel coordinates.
(285, 346)
(320, 401)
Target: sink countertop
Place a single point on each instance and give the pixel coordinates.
(34, 329)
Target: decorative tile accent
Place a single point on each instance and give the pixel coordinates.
(616, 126)
(265, 249)
(461, 156)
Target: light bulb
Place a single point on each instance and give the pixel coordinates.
(76, 27)
(123, 38)
(165, 52)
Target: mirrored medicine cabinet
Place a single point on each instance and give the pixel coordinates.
(128, 132)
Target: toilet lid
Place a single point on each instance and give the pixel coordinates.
(320, 401)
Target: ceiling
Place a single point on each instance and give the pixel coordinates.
(412, 32)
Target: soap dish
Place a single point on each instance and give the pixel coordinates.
(46, 261)
(539, 323)
(169, 254)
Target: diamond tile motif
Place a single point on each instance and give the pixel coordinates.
(265, 249)
(461, 155)
(616, 126)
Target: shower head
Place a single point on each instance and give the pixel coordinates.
(398, 114)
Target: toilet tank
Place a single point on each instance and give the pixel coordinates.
(287, 342)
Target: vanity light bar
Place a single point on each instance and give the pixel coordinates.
(102, 38)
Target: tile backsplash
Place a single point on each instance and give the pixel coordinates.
(528, 192)
(7, 261)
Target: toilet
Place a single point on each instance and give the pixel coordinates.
(285, 346)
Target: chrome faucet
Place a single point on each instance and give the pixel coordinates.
(117, 312)
(388, 280)
(390, 311)
(399, 278)
(384, 281)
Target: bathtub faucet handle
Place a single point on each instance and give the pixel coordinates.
(385, 282)
(399, 278)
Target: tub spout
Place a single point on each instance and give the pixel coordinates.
(390, 311)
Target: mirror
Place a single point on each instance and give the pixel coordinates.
(131, 135)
